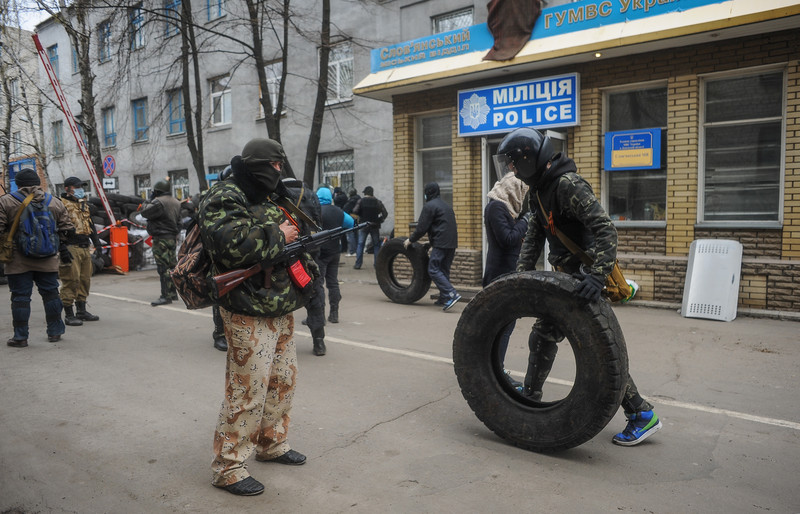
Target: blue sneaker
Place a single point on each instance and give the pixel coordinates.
(641, 425)
(452, 301)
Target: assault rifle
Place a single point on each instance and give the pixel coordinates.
(224, 283)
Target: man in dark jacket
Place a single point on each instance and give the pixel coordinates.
(371, 210)
(438, 220)
(569, 204)
(76, 276)
(163, 215)
(242, 226)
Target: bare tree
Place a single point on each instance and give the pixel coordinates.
(322, 95)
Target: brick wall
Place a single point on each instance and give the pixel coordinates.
(654, 257)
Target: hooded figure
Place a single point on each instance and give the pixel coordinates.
(504, 226)
(255, 172)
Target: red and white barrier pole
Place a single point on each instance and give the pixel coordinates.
(118, 233)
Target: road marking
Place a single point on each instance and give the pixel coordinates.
(435, 358)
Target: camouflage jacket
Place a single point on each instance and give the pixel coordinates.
(237, 234)
(576, 211)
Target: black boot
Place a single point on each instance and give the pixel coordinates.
(319, 346)
(540, 362)
(70, 318)
(83, 314)
(220, 343)
(333, 317)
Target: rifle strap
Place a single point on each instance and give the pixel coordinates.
(288, 205)
(569, 243)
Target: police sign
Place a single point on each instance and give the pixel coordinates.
(541, 103)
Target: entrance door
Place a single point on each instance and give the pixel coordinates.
(489, 177)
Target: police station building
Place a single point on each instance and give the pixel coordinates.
(682, 114)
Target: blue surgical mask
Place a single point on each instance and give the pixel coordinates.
(78, 193)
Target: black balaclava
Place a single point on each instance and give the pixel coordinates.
(257, 155)
(431, 191)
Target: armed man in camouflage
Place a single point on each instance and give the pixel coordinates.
(163, 214)
(570, 205)
(241, 226)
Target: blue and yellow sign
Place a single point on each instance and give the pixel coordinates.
(633, 150)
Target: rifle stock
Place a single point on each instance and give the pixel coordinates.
(224, 283)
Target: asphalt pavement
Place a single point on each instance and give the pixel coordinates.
(119, 415)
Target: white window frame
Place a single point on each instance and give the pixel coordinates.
(274, 71)
(325, 174)
(335, 71)
(225, 107)
(13, 86)
(701, 146)
(16, 143)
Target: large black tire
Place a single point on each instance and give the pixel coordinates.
(601, 361)
(420, 282)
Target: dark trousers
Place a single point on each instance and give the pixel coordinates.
(328, 263)
(439, 270)
(21, 287)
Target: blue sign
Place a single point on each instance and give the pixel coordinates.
(633, 150)
(541, 103)
(562, 19)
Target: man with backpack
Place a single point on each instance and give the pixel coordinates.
(35, 255)
(76, 276)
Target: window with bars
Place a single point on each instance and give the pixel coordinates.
(179, 180)
(742, 146)
(451, 21)
(337, 169)
(638, 195)
(220, 101)
(142, 185)
(340, 73)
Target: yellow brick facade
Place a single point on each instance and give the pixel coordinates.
(771, 264)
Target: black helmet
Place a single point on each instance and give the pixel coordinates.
(529, 151)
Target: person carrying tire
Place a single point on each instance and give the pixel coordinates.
(76, 276)
(438, 220)
(563, 199)
(163, 215)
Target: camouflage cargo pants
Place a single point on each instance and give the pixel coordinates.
(164, 253)
(260, 378)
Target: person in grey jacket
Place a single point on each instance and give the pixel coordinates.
(163, 214)
(438, 220)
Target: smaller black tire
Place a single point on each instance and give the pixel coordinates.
(417, 254)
